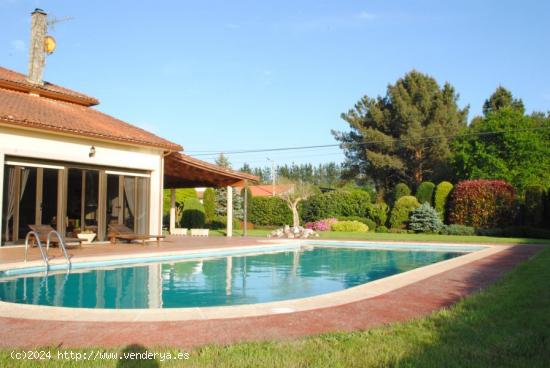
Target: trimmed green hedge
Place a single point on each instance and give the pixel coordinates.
(209, 202)
(425, 192)
(364, 220)
(401, 190)
(334, 204)
(269, 211)
(193, 216)
(441, 198)
(400, 213)
(350, 226)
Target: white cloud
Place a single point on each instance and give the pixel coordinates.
(18, 45)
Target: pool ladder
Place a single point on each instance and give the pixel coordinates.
(44, 253)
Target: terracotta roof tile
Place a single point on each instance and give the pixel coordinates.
(24, 110)
(19, 81)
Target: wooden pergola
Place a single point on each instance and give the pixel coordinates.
(183, 171)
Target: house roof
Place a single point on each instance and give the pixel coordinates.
(267, 190)
(20, 108)
(183, 171)
(16, 81)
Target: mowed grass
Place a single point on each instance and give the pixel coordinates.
(371, 236)
(507, 325)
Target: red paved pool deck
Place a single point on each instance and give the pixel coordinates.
(415, 300)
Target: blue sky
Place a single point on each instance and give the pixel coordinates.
(225, 75)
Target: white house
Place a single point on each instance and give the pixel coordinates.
(66, 164)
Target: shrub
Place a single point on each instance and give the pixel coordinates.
(193, 214)
(220, 223)
(381, 229)
(350, 226)
(400, 213)
(321, 225)
(267, 211)
(400, 190)
(378, 213)
(516, 231)
(424, 219)
(334, 204)
(483, 204)
(455, 229)
(364, 220)
(209, 202)
(534, 205)
(425, 192)
(442, 192)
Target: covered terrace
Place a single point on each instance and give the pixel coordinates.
(183, 171)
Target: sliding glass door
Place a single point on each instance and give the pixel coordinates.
(30, 197)
(71, 199)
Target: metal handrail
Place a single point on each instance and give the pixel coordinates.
(44, 254)
(61, 244)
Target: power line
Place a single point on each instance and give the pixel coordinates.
(385, 140)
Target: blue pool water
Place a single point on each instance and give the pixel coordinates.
(228, 280)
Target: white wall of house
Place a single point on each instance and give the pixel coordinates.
(45, 146)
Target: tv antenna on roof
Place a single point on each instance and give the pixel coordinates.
(53, 21)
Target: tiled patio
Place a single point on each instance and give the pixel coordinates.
(10, 254)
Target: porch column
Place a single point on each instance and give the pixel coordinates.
(172, 210)
(229, 227)
(1, 193)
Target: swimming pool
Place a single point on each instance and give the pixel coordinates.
(231, 279)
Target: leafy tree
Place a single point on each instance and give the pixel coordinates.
(500, 99)
(181, 195)
(299, 192)
(246, 168)
(506, 145)
(405, 135)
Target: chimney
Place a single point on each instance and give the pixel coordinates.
(37, 55)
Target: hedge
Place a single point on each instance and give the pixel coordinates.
(425, 192)
(334, 204)
(267, 211)
(378, 213)
(193, 214)
(350, 226)
(483, 204)
(441, 198)
(400, 190)
(534, 205)
(401, 211)
(365, 220)
(209, 202)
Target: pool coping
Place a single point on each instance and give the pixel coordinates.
(357, 293)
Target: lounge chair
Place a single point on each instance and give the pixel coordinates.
(44, 230)
(122, 232)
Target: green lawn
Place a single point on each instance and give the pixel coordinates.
(402, 237)
(507, 325)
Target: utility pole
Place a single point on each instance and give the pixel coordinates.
(272, 176)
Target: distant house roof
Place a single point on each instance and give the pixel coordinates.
(267, 190)
(64, 111)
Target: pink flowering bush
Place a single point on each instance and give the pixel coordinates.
(321, 225)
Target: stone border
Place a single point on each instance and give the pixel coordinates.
(360, 292)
